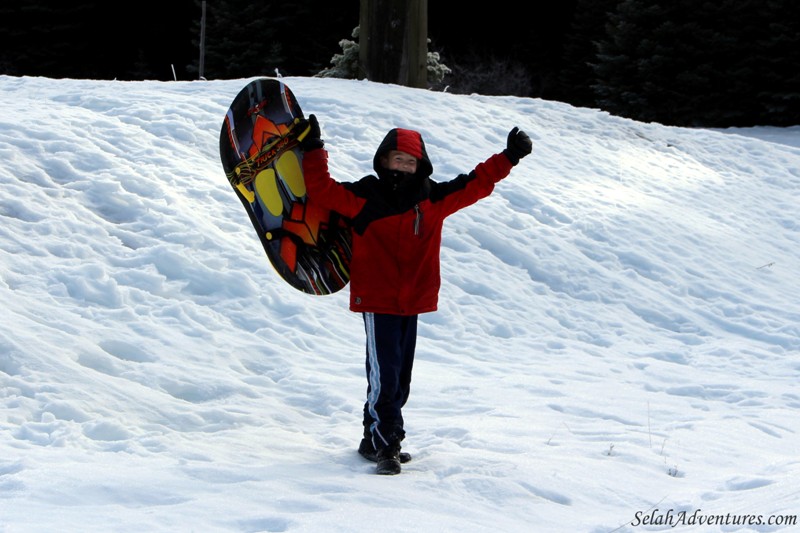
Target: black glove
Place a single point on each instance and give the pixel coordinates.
(311, 139)
(518, 145)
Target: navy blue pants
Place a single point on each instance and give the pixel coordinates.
(391, 341)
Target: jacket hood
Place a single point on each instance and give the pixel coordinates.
(408, 141)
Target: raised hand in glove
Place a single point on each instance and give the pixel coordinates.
(310, 134)
(518, 145)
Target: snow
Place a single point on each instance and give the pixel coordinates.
(616, 346)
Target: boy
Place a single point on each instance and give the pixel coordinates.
(396, 219)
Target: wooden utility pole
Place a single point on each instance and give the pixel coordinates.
(393, 41)
(203, 40)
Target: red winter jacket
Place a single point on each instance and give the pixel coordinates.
(397, 222)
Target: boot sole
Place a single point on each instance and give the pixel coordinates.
(404, 456)
(388, 470)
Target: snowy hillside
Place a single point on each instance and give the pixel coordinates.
(617, 346)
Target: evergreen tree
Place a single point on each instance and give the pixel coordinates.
(588, 26)
(245, 38)
(45, 37)
(345, 65)
(240, 38)
(679, 62)
(777, 65)
(637, 68)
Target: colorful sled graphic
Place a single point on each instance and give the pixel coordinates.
(307, 245)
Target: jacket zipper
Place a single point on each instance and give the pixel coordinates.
(417, 220)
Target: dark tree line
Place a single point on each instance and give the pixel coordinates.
(147, 39)
(91, 39)
(246, 38)
(678, 62)
(683, 62)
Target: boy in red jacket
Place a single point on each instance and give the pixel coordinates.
(396, 219)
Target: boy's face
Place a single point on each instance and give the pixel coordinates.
(397, 160)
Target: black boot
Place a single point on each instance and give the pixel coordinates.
(367, 451)
(389, 460)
